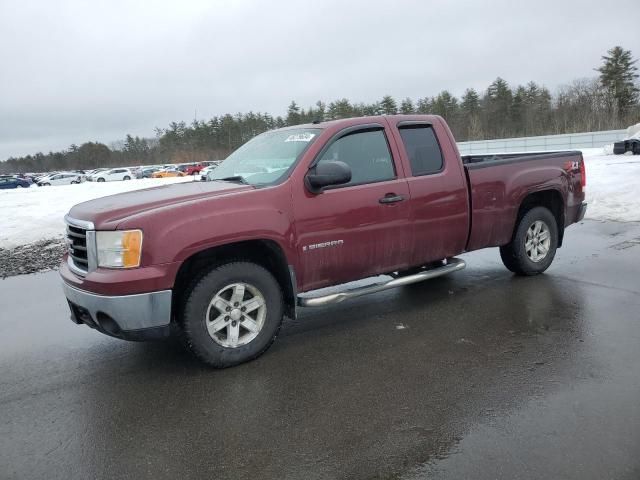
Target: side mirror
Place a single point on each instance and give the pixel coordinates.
(325, 174)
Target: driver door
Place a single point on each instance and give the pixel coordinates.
(358, 229)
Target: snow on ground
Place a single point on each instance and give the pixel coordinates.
(613, 185)
(36, 213)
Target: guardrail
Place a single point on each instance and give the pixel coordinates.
(566, 141)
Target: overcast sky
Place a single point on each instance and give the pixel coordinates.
(74, 71)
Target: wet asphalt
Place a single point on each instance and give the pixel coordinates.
(479, 375)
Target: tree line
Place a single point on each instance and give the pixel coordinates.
(609, 101)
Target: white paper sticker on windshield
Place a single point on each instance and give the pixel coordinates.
(300, 137)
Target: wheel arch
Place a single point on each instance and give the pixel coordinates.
(552, 200)
(266, 253)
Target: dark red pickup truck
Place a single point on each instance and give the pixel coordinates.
(301, 208)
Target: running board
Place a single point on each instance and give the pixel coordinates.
(452, 265)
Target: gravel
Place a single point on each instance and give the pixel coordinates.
(31, 258)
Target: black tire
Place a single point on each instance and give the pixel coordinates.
(101, 179)
(73, 182)
(196, 299)
(126, 177)
(514, 255)
(619, 148)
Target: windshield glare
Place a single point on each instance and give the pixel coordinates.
(266, 158)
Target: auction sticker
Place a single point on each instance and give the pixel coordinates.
(300, 137)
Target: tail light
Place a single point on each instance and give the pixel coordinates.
(583, 174)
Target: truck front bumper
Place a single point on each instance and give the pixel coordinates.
(144, 316)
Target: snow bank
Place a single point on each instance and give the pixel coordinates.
(634, 131)
(32, 214)
(613, 186)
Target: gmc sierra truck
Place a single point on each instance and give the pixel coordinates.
(221, 262)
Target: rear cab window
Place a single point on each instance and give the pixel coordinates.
(422, 147)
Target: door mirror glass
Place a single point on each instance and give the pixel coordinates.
(326, 174)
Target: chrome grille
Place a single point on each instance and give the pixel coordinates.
(81, 246)
(77, 247)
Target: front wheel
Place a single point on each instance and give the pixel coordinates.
(534, 244)
(232, 314)
(127, 177)
(101, 179)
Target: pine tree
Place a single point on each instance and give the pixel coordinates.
(321, 111)
(520, 111)
(470, 104)
(293, 114)
(406, 106)
(470, 109)
(497, 102)
(445, 105)
(425, 106)
(617, 76)
(388, 105)
(340, 109)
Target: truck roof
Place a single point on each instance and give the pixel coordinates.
(366, 119)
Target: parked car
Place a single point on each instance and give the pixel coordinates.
(112, 175)
(630, 145)
(193, 169)
(62, 178)
(223, 261)
(7, 182)
(205, 171)
(167, 173)
(92, 174)
(146, 172)
(38, 177)
(26, 177)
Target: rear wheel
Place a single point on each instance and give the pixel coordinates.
(232, 314)
(126, 177)
(101, 179)
(534, 243)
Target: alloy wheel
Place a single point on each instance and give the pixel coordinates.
(235, 315)
(537, 241)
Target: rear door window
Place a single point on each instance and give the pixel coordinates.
(422, 148)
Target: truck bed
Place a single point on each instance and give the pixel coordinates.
(493, 159)
(498, 183)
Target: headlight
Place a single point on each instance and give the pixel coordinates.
(119, 249)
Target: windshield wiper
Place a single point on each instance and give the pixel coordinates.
(235, 178)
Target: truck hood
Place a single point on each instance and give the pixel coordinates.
(107, 212)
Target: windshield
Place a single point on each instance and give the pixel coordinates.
(266, 158)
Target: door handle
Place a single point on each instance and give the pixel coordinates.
(391, 198)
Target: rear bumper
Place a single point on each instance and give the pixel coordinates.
(581, 211)
(144, 316)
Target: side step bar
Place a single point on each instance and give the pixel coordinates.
(452, 265)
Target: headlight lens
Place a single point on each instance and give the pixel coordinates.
(119, 249)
